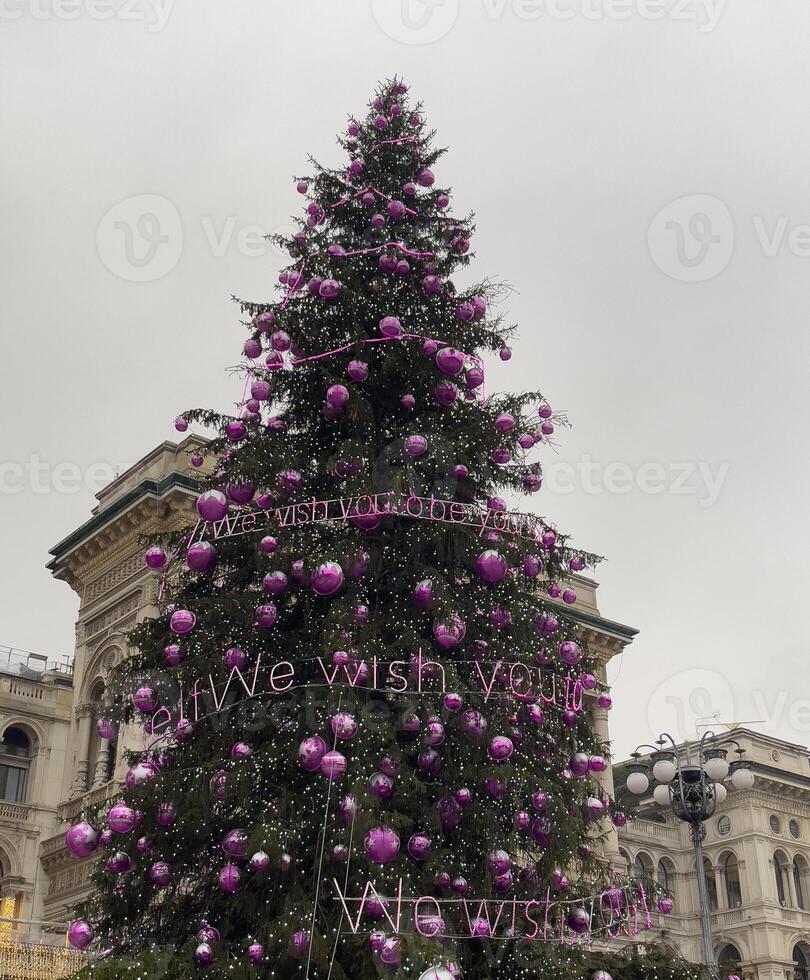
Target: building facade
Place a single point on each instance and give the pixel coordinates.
(757, 866)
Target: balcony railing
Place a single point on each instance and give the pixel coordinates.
(13, 811)
(36, 950)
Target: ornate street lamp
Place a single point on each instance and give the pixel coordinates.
(693, 791)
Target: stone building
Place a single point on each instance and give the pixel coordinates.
(757, 864)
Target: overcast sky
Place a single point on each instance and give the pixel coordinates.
(640, 174)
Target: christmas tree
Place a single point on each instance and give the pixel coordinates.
(365, 710)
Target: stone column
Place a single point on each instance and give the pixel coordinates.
(84, 712)
(791, 887)
(719, 887)
(102, 764)
(610, 844)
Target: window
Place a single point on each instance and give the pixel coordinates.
(15, 751)
(664, 876)
(729, 961)
(733, 887)
(775, 823)
(724, 826)
(779, 862)
(795, 829)
(799, 879)
(800, 965)
(711, 884)
(643, 868)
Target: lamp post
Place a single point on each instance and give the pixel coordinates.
(693, 790)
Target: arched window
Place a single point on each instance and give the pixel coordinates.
(643, 866)
(733, 886)
(800, 880)
(729, 961)
(102, 754)
(801, 968)
(711, 884)
(626, 859)
(779, 864)
(664, 874)
(15, 761)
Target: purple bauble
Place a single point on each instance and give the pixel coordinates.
(579, 921)
(155, 558)
(82, 839)
(429, 762)
(450, 633)
(619, 819)
(329, 289)
(212, 505)
(337, 395)
(594, 808)
(431, 285)
(381, 845)
(390, 326)
(480, 929)
(327, 578)
(450, 361)
(166, 815)
(333, 765)
(182, 621)
(407, 401)
(260, 861)
(665, 905)
(119, 863)
(570, 653)
(255, 952)
(416, 445)
(344, 726)
(275, 582)
(204, 954)
(423, 595)
(419, 847)
(80, 934)
(390, 953)
(174, 655)
(145, 699)
(234, 844)
(381, 785)
(453, 701)
(266, 615)
(541, 832)
(498, 862)
(106, 729)
(500, 748)
(139, 774)
(473, 724)
(268, 545)
(310, 753)
(491, 566)
(605, 701)
(357, 370)
(229, 878)
(299, 945)
(234, 657)
(460, 471)
(144, 846)
(201, 556)
(578, 764)
(597, 764)
(445, 394)
(160, 874)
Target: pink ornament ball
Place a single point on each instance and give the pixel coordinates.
(396, 210)
(416, 445)
(579, 921)
(381, 845)
(576, 564)
(419, 847)
(310, 753)
(327, 578)
(344, 726)
(377, 221)
(182, 621)
(500, 748)
(450, 361)
(453, 701)
(106, 729)
(80, 934)
(491, 566)
(266, 615)
(460, 472)
(145, 699)
(234, 658)
(201, 556)
(337, 395)
(391, 954)
(302, 187)
(155, 558)
(431, 285)
(408, 402)
(235, 431)
(234, 844)
(160, 874)
(450, 633)
(357, 370)
(390, 326)
(139, 774)
(197, 460)
(578, 764)
(204, 954)
(82, 839)
(212, 505)
(570, 653)
(268, 545)
(569, 597)
(275, 582)
(505, 353)
(174, 655)
(605, 701)
(260, 861)
(665, 906)
(465, 312)
(166, 815)
(255, 952)
(329, 289)
(229, 878)
(333, 765)
(619, 819)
